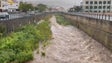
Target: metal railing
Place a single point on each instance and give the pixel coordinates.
(99, 16)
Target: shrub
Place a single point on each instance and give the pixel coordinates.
(2, 30)
(18, 47)
(61, 20)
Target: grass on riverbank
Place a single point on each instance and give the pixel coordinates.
(61, 20)
(18, 47)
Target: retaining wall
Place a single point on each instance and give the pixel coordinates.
(101, 30)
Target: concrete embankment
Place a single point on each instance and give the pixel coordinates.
(101, 30)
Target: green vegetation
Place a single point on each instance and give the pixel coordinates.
(25, 7)
(76, 9)
(2, 30)
(45, 44)
(41, 7)
(18, 47)
(61, 20)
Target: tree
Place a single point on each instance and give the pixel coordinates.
(25, 7)
(75, 9)
(71, 10)
(78, 8)
(41, 7)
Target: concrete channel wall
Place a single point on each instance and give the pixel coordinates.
(13, 24)
(100, 30)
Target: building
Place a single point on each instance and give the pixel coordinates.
(57, 9)
(3, 5)
(97, 5)
(9, 5)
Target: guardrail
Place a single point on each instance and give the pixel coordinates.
(100, 16)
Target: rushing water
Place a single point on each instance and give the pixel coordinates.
(70, 45)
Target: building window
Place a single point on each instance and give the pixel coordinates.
(95, 2)
(87, 7)
(87, 2)
(104, 7)
(99, 11)
(103, 10)
(3, 5)
(95, 7)
(109, 2)
(108, 11)
(100, 7)
(100, 2)
(104, 2)
(90, 10)
(108, 7)
(91, 7)
(91, 2)
(95, 11)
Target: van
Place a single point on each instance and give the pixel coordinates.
(4, 15)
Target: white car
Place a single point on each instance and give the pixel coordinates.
(4, 15)
(31, 13)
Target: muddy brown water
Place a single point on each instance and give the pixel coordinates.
(70, 45)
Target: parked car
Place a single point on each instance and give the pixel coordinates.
(4, 15)
(31, 12)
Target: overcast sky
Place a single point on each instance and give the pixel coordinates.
(54, 3)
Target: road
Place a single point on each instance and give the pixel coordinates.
(16, 15)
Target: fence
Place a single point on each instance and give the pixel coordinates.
(12, 24)
(101, 16)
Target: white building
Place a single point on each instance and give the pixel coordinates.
(9, 5)
(97, 5)
(57, 9)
